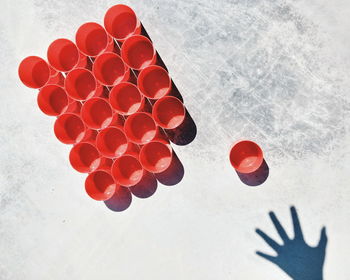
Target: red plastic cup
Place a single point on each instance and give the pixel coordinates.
(156, 156)
(121, 22)
(138, 52)
(109, 69)
(126, 98)
(80, 84)
(91, 39)
(154, 82)
(34, 72)
(63, 55)
(111, 142)
(246, 156)
(127, 170)
(100, 185)
(84, 157)
(97, 113)
(53, 100)
(169, 112)
(140, 128)
(69, 128)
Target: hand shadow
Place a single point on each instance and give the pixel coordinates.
(299, 260)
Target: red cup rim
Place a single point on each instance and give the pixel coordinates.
(100, 185)
(130, 133)
(110, 17)
(102, 146)
(156, 113)
(118, 177)
(84, 164)
(156, 148)
(117, 106)
(60, 61)
(90, 120)
(252, 164)
(82, 35)
(70, 84)
(34, 72)
(143, 74)
(127, 44)
(97, 68)
(61, 129)
(50, 104)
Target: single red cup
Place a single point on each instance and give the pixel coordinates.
(84, 157)
(80, 84)
(53, 100)
(69, 128)
(140, 128)
(97, 113)
(154, 82)
(34, 72)
(138, 52)
(63, 55)
(111, 142)
(109, 69)
(91, 39)
(169, 112)
(246, 156)
(126, 98)
(156, 156)
(127, 170)
(100, 185)
(121, 22)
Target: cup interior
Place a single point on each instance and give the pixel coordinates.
(154, 82)
(246, 156)
(169, 112)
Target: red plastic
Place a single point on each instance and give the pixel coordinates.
(74, 107)
(100, 185)
(84, 157)
(109, 69)
(154, 82)
(97, 113)
(140, 128)
(126, 98)
(156, 156)
(127, 170)
(246, 156)
(63, 55)
(117, 121)
(138, 52)
(34, 72)
(81, 84)
(112, 142)
(53, 100)
(69, 128)
(169, 112)
(105, 164)
(121, 22)
(91, 39)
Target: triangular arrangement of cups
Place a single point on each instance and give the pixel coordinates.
(116, 104)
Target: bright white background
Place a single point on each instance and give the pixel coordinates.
(276, 72)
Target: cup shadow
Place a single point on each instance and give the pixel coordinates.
(183, 134)
(174, 174)
(257, 177)
(146, 187)
(120, 201)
